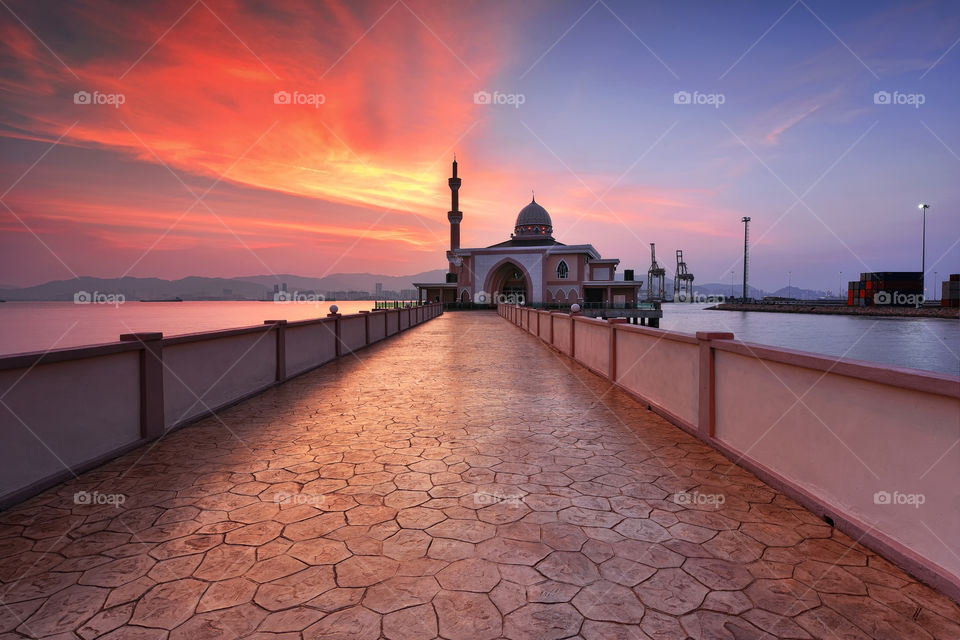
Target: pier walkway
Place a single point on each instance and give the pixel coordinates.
(461, 480)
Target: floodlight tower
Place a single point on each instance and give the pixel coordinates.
(923, 249)
(746, 254)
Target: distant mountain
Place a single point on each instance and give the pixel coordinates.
(199, 288)
(347, 281)
(261, 287)
(717, 288)
(802, 294)
(137, 288)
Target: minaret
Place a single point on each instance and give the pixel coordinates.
(454, 215)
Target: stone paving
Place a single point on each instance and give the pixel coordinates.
(461, 481)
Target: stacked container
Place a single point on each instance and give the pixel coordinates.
(885, 288)
(950, 292)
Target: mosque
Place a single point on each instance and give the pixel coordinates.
(531, 267)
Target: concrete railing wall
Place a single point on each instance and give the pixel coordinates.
(68, 410)
(310, 343)
(209, 370)
(838, 436)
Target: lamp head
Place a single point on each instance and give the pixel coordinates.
(922, 206)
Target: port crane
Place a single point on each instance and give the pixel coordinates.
(655, 276)
(682, 281)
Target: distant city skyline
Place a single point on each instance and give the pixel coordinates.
(220, 139)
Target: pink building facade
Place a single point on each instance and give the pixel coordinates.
(530, 267)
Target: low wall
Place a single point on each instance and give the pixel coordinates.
(310, 343)
(857, 443)
(353, 333)
(207, 370)
(68, 410)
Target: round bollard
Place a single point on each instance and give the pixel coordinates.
(575, 308)
(334, 308)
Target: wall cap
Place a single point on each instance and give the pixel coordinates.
(141, 336)
(714, 335)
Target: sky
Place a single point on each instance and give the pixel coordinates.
(229, 138)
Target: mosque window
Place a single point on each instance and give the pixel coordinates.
(563, 271)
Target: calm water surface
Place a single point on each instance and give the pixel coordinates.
(38, 326)
(921, 343)
(932, 344)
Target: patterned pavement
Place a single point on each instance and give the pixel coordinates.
(460, 480)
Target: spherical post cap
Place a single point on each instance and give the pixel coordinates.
(575, 308)
(334, 308)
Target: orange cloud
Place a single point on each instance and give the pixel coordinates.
(380, 111)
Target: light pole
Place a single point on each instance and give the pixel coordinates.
(841, 285)
(936, 285)
(746, 254)
(789, 281)
(923, 248)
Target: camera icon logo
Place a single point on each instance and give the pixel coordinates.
(281, 97)
(881, 297)
(482, 97)
(881, 97)
(82, 497)
(881, 497)
(82, 97)
(681, 97)
(282, 296)
(82, 297)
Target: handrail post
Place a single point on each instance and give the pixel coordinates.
(151, 382)
(707, 409)
(366, 327)
(573, 333)
(281, 328)
(336, 333)
(613, 346)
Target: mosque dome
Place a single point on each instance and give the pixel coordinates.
(533, 220)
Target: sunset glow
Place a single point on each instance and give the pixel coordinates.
(193, 163)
